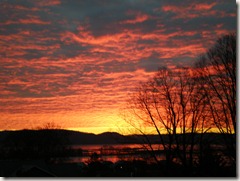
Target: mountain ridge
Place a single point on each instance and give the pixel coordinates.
(82, 138)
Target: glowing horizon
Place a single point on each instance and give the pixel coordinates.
(74, 63)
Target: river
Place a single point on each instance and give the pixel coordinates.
(114, 152)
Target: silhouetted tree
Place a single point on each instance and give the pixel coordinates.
(184, 101)
(172, 104)
(49, 126)
(217, 70)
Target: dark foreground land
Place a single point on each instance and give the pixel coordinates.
(134, 168)
(46, 153)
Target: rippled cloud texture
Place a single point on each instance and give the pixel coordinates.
(74, 62)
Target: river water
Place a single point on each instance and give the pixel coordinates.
(114, 152)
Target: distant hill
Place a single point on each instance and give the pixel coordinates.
(80, 138)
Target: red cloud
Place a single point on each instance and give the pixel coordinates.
(193, 7)
(191, 11)
(124, 45)
(204, 6)
(139, 18)
(32, 20)
(47, 2)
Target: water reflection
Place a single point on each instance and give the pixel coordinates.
(114, 153)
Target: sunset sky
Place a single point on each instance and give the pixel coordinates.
(74, 62)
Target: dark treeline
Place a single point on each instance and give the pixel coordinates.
(67, 137)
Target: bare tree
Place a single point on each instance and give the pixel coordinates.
(172, 104)
(184, 101)
(217, 69)
(49, 126)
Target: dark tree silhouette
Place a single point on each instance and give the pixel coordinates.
(184, 101)
(171, 102)
(217, 69)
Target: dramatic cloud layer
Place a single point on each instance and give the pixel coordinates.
(74, 62)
